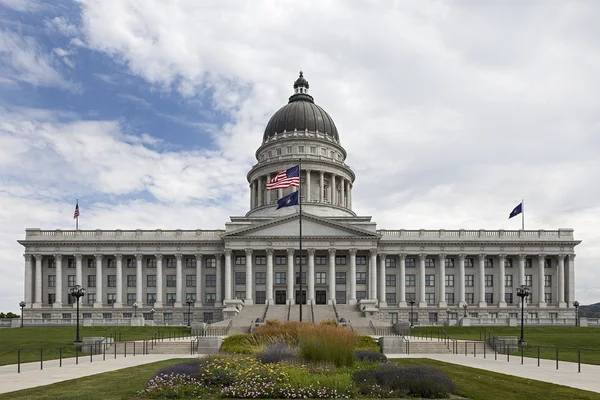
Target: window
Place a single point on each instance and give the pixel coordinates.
(111, 298)
(390, 298)
(323, 151)
(298, 278)
(150, 298)
(70, 263)
(87, 315)
(190, 281)
(547, 280)
(340, 297)
(106, 315)
(489, 298)
(151, 263)
(151, 280)
(51, 263)
(449, 298)
(489, 263)
(468, 263)
(127, 315)
(260, 260)
(332, 154)
(168, 317)
(430, 298)
(91, 263)
(508, 263)
(51, 280)
(449, 280)
(240, 278)
(469, 279)
(111, 281)
(240, 260)
(548, 297)
(449, 262)
(110, 263)
(410, 262)
(210, 298)
(280, 278)
(411, 296)
(171, 297)
(239, 294)
(410, 280)
(553, 315)
(340, 260)
(320, 260)
(260, 278)
(429, 280)
(289, 149)
(469, 298)
(340, 278)
(91, 280)
(51, 298)
(533, 315)
(190, 297)
(489, 280)
(270, 153)
(280, 260)
(211, 280)
(131, 281)
(320, 278)
(508, 280)
(528, 280)
(433, 317)
(390, 262)
(261, 297)
(508, 298)
(66, 315)
(361, 278)
(130, 299)
(528, 263)
(361, 260)
(390, 280)
(190, 262)
(413, 316)
(300, 149)
(131, 263)
(313, 150)
(171, 280)
(548, 263)
(171, 262)
(361, 294)
(278, 152)
(211, 262)
(493, 315)
(429, 262)
(298, 260)
(393, 317)
(91, 298)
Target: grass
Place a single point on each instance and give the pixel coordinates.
(559, 336)
(36, 337)
(471, 383)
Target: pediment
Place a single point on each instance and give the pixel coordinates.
(312, 227)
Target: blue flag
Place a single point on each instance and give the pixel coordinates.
(517, 210)
(289, 200)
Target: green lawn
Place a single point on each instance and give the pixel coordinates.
(470, 383)
(564, 337)
(35, 337)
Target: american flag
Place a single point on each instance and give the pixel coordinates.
(286, 178)
(76, 213)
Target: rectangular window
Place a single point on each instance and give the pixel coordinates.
(313, 149)
(298, 260)
(547, 280)
(51, 263)
(168, 317)
(469, 279)
(91, 281)
(261, 297)
(320, 260)
(449, 298)
(361, 260)
(470, 298)
(150, 298)
(171, 297)
(323, 151)
(393, 317)
(151, 263)
(489, 263)
(340, 260)
(340, 278)
(361, 278)
(411, 296)
(298, 278)
(260, 278)
(211, 262)
(151, 280)
(529, 280)
(433, 317)
(468, 263)
(131, 281)
(110, 263)
(449, 280)
(106, 315)
(111, 280)
(429, 280)
(489, 280)
(91, 298)
(390, 298)
(361, 294)
(513, 315)
(411, 280)
(489, 298)
(87, 315)
(130, 299)
(340, 297)
(553, 315)
(51, 280)
(289, 149)
(280, 278)
(66, 316)
(171, 262)
(528, 263)
(508, 263)
(190, 262)
(390, 262)
(449, 262)
(278, 152)
(71, 263)
(211, 280)
(280, 260)
(493, 315)
(171, 280)
(111, 298)
(210, 298)
(91, 263)
(410, 262)
(190, 297)
(429, 262)
(239, 294)
(508, 280)
(190, 281)
(300, 149)
(51, 298)
(240, 260)
(240, 278)
(548, 263)
(508, 298)
(390, 280)
(260, 260)
(131, 263)
(320, 278)
(430, 298)
(127, 315)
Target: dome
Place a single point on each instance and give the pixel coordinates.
(302, 114)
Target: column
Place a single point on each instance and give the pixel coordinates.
(382, 300)
(279, 193)
(219, 275)
(421, 291)
(38, 281)
(119, 299)
(139, 283)
(501, 281)
(333, 190)
(322, 190)
(331, 277)
(352, 277)
(28, 279)
(461, 279)
(481, 280)
(290, 276)
(442, 281)
(98, 302)
(269, 276)
(252, 194)
(307, 196)
(268, 192)
(343, 197)
(159, 281)
(249, 298)
(373, 274)
(199, 259)
(228, 254)
(349, 195)
(260, 191)
(540, 290)
(59, 290)
(402, 260)
(560, 271)
(571, 280)
(78, 273)
(311, 276)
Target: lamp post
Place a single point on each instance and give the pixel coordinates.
(135, 307)
(152, 311)
(412, 303)
(448, 315)
(465, 307)
(22, 305)
(189, 303)
(77, 291)
(576, 305)
(523, 291)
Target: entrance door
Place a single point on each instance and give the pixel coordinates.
(321, 296)
(298, 297)
(280, 297)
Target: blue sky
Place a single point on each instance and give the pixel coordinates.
(150, 112)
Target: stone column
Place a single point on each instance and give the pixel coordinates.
(571, 280)
(442, 279)
(373, 275)
(59, 290)
(139, 280)
(352, 277)
(99, 292)
(159, 281)
(333, 190)
(560, 271)
(481, 279)
(421, 292)
(311, 276)
(402, 260)
(342, 193)
(78, 270)
(249, 298)
(252, 194)
(382, 291)
(521, 271)
(307, 196)
(501, 279)
(119, 299)
(199, 260)
(290, 276)
(228, 254)
(268, 192)
(38, 281)
(349, 195)
(219, 277)
(322, 191)
(28, 279)
(269, 276)
(461, 279)
(331, 278)
(540, 288)
(260, 191)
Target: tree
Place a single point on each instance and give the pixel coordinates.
(8, 315)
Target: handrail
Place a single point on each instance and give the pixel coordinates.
(264, 318)
(337, 317)
(312, 311)
(289, 310)
(372, 326)
(449, 340)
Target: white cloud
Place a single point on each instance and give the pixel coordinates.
(22, 5)
(62, 26)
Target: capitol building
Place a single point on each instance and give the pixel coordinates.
(347, 260)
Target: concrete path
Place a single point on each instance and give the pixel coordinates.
(566, 375)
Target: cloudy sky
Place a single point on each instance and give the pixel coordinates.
(150, 112)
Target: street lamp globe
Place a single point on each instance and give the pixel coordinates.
(22, 304)
(576, 305)
(135, 307)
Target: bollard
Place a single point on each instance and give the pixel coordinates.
(76, 355)
(125, 349)
(538, 356)
(60, 356)
(484, 346)
(41, 358)
(578, 360)
(134, 349)
(522, 350)
(104, 352)
(115, 343)
(495, 354)
(18, 361)
(474, 349)
(557, 358)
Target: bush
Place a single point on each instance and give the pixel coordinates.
(367, 343)
(328, 322)
(370, 356)
(275, 353)
(240, 344)
(189, 368)
(172, 386)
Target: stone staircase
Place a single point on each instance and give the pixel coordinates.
(429, 347)
(246, 317)
(279, 312)
(323, 312)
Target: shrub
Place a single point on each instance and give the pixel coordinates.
(427, 382)
(321, 349)
(367, 343)
(189, 368)
(172, 386)
(239, 344)
(370, 356)
(328, 322)
(275, 353)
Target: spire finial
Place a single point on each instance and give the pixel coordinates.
(301, 74)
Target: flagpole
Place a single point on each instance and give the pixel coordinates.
(76, 219)
(523, 214)
(300, 219)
